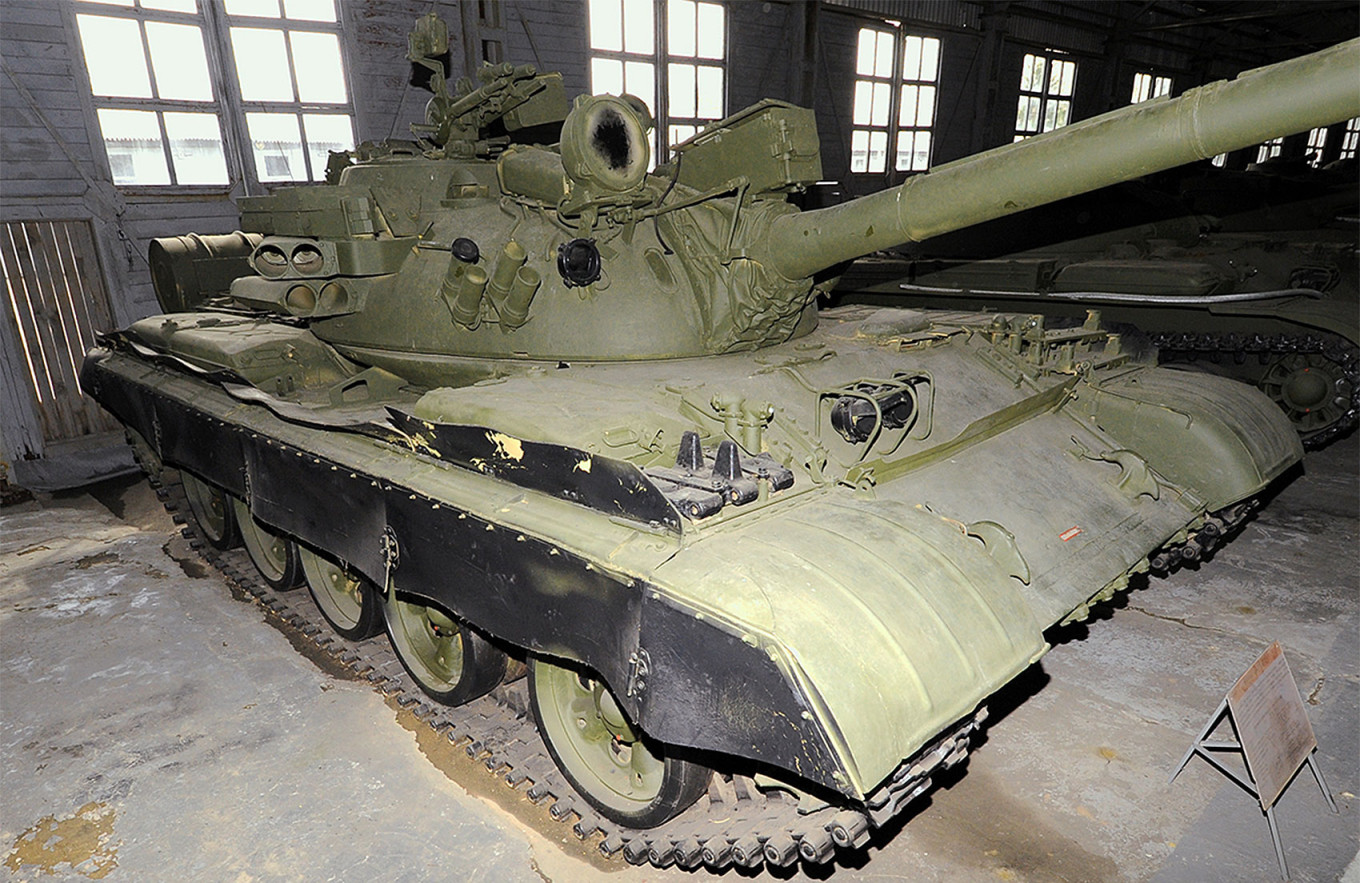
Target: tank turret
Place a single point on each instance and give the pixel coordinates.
(474, 245)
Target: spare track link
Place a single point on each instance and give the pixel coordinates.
(736, 823)
(1189, 346)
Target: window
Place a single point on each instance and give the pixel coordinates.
(1046, 86)
(158, 115)
(1147, 86)
(894, 101)
(1269, 149)
(1349, 139)
(1317, 139)
(626, 57)
(293, 89)
(160, 112)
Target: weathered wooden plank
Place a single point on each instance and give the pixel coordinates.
(34, 32)
(19, 188)
(89, 304)
(50, 318)
(36, 345)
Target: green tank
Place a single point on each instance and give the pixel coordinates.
(535, 406)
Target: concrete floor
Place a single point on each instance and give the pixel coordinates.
(153, 727)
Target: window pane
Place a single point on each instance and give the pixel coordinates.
(711, 93)
(930, 59)
(864, 102)
(712, 31)
(859, 151)
(681, 133)
(310, 10)
(903, 160)
(680, 27)
(920, 158)
(638, 35)
(1050, 110)
(262, 64)
(1064, 112)
(639, 78)
(132, 139)
(277, 145)
(1030, 69)
(326, 132)
(911, 58)
(111, 2)
(606, 26)
(1140, 88)
(178, 59)
(606, 76)
(171, 6)
(681, 90)
(906, 111)
(1032, 122)
(1021, 118)
(864, 62)
(1069, 76)
(196, 148)
(882, 97)
(925, 114)
(1163, 87)
(320, 74)
(113, 56)
(262, 8)
(883, 56)
(878, 151)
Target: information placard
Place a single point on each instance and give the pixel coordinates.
(1271, 723)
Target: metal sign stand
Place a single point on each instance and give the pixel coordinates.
(1274, 737)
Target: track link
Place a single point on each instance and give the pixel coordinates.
(735, 823)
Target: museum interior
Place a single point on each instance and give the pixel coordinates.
(960, 482)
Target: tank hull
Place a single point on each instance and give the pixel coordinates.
(828, 630)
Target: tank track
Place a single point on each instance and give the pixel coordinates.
(734, 824)
(1189, 346)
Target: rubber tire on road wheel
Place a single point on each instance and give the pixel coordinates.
(274, 555)
(211, 510)
(348, 601)
(449, 661)
(628, 779)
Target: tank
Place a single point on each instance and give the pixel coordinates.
(1211, 271)
(528, 406)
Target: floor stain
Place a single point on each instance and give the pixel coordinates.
(187, 559)
(977, 822)
(81, 842)
(471, 775)
(91, 560)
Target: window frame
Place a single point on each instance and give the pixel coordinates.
(1150, 85)
(227, 104)
(897, 84)
(660, 61)
(1043, 95)
(1350, 139)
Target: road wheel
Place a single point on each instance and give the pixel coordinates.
(448, 660)
(628, 779)
(274, 556)
(347, 600)
(211, 510)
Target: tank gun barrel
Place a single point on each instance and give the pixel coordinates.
(1293, 96)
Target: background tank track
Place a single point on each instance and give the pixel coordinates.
(736, 823)
(1189, 347)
